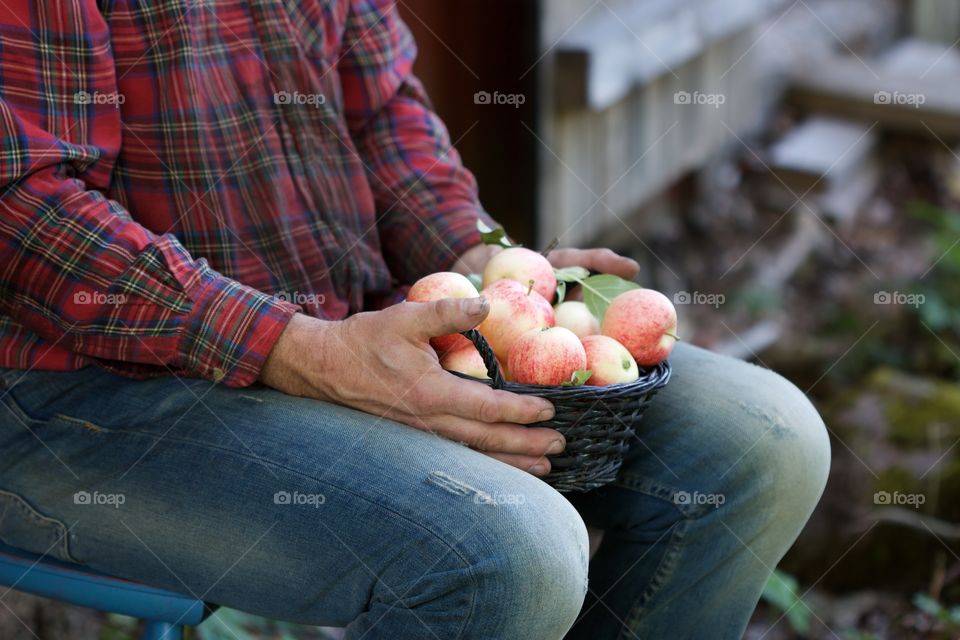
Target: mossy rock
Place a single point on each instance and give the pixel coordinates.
(914, 404)
(897, 431)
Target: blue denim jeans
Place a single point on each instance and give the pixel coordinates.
(309, 512)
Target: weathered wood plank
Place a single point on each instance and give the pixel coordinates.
(611, 51)
(820, 152)
(856, 90)
(922, 59)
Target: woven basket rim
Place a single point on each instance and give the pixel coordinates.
(651, 378)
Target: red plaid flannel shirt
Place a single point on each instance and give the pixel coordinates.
(179, 177)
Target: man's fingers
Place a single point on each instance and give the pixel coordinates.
(443, 317)
(475, 401)
(538, 466)
(602, 260)
(498, 437)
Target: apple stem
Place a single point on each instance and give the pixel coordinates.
(530, 288)
(675, 337)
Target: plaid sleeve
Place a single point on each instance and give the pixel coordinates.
(427, 200)
(74, 267)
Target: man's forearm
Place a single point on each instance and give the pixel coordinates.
(284, 368)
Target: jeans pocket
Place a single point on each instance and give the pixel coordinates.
(25, 528)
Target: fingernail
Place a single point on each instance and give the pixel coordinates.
(545, 414)
(476, 306)
(538, 469)
(556, 446)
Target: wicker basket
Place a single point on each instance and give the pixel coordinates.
(597, 422)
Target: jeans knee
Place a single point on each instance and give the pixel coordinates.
(787, 454)
(534, 580)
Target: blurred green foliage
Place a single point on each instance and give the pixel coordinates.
(940, 286)
(782, 593)
(230, 624)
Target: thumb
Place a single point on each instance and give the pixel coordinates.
(450, 315)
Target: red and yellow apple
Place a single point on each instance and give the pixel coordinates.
(523, 266)
(546, 356)
(465, 360)
(514, 310)
(504, 371)
(645, 322)
(575, 315)
(437, 286)
(608, 361)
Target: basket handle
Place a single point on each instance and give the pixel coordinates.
(489, 359)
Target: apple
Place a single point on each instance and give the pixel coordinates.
(465, 360)
(504, 371)
(575, 315)
(514, 310)
(609, 361)
(645, 322)
(522, 265)
(437, 286)
(546, 356)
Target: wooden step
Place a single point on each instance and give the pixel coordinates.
(912, 87)
(821, 152)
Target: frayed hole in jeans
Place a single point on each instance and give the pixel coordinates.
(451, 484)
(86, 424)
(774, 421)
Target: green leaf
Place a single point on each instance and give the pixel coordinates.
(927, 604)
(578, 378)
(565, 275)
(781, 592)
(600, 290)
(561, 291)
(476, 280)
(571, 274)
(493, 236)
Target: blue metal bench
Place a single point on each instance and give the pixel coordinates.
(165, 613)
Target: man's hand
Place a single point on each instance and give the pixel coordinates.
(382, 363)
(601, 260)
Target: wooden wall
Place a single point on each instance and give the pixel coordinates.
(937, 20)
